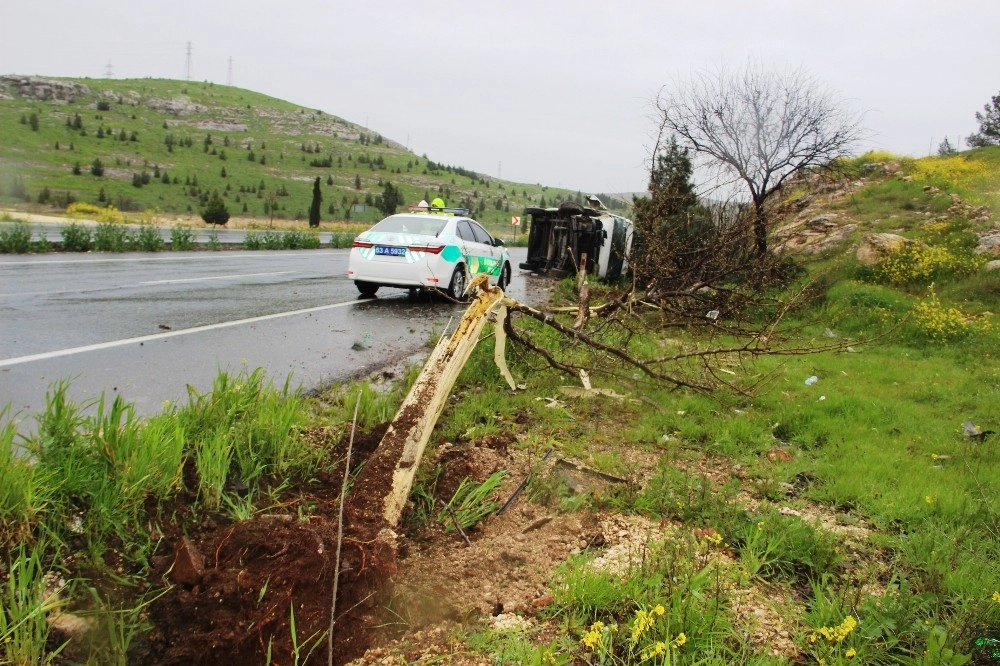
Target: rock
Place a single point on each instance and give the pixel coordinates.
(989, 244)
(824, 222)
(992, 265)
(876, 246)
(74, 631)
(778, 454)
(47, 90)
(189, 564)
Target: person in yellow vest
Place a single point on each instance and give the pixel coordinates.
(438, 202)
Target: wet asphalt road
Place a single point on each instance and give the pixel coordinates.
(148, 325)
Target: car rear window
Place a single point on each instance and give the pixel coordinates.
(410, 225)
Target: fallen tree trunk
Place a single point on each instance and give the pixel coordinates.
(403, 444)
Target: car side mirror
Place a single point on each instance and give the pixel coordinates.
(498, 242)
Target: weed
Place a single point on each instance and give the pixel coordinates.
(472, 502)
(181, 238)
(213, 241)
(112, 236)
(147, 239)
(76, 238)
(26, 603)
(15, 238)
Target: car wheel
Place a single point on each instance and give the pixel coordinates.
(367, 289)
(456, 288)
(504, 277)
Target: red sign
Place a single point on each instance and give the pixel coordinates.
(515, 220)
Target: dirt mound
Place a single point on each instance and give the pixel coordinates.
(248, 585)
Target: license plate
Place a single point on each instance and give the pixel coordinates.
(390, 251)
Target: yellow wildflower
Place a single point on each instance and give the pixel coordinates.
(996, 597)
(594, 636)
(654, 650)
(680, 640)
(850, 653)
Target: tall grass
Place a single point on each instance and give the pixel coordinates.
(25, 603)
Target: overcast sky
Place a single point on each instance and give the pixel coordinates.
(552, 92)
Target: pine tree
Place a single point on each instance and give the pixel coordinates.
(314, 209)
(989, 125)
(215, 211)
(97, 167)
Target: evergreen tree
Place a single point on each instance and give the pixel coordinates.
(97, 167)
(357, 182)
(389, 200)
(314, 208)
(989, 125)
(671, 233)
(33, 121)
(215, 211)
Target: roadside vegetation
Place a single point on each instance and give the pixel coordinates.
(830, 508)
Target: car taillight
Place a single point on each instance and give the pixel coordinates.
(432, 249)
(361, 243)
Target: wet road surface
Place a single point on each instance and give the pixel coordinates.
(148, 325)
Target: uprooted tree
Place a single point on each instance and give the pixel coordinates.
(757, 128)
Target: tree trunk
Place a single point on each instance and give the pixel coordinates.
(760, 229)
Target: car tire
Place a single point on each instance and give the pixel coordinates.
(367, 289)
(504, 280)
(456, 287)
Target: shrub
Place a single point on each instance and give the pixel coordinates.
(215, 211)
(939, 323)
(147, 239)
(76, 238)
(921, 264)
(111, 237)
(15, 238)
(181, 238)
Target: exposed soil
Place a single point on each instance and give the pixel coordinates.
(261, 575)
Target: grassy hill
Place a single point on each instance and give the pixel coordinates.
(167, 145)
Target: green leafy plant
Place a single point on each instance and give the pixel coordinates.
(15, 238)
(26, 603)
(472, 502)
(181, 238)
(76, 238)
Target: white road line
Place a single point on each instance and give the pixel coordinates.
(217, 277)
(214, 255)
(160, 336)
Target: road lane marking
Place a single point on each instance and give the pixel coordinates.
(215, 255)
(160, 336)
(217, 277)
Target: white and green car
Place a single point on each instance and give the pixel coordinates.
(427, 251)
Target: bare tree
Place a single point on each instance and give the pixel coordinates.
(758, 128)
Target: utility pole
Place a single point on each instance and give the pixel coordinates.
(499, 165)
(187, 66)
(229, 79)
(109, 71)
